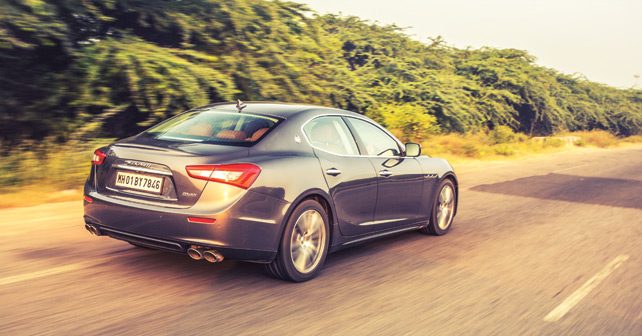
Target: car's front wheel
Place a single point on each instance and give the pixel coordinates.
(443, 209)
(304, 244)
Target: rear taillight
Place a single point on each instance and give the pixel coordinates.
(99, 157)
(238, 174)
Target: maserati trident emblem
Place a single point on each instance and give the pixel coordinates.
(240, 105)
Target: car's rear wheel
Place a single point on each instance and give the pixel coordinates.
(443, 210)
(304, 244)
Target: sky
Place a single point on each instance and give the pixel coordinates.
(600, 39)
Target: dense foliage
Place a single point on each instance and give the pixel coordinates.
(87, 68)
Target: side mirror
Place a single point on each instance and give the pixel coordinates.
(413, 149)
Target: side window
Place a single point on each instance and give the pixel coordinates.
(331, 135)
(376, 141)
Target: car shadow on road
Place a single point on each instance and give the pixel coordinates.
(155, 263)
(142, 263)
(571, 188)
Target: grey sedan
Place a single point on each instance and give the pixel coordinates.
(279, 184)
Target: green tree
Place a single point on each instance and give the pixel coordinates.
(84, 68)
(407, 121)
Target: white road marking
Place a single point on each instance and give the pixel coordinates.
(57, 270)
(586, 288)
(572, 167)
(39, 274)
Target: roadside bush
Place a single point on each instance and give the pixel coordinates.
(482, 145)
(521, 137)
(598, 138)
(501, 134)
(552, 143)
(504, 150)
(60, 167)
(409, 122)
(471, 150)
(633, 139)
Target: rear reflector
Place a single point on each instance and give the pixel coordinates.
(201, 220)
(99, 157)
(88, 199)
(237, 174)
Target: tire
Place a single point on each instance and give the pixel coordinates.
(443, 209)
(304, 244)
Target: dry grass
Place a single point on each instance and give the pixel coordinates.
(633, 139)
(45, 173)
(601, 139)
(61, 166)
(503, 144)
(42, 174)
(34, 195)
(482, 145)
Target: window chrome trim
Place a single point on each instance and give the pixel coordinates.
(307, 139)
(401, 145)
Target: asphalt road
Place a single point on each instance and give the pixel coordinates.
(551, 245)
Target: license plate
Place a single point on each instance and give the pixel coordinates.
(140, 182)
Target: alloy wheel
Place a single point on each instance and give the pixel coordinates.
(446, 207)
(307, 241)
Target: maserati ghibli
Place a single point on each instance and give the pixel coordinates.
(273, 183)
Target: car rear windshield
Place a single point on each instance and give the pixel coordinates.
(227, 128)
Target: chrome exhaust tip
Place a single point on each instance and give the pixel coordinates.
(92, 229)
(195, 253)
(213, 256)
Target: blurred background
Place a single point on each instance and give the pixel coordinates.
(537, 103)
(78, 74)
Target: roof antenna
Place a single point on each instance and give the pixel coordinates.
(240, 105)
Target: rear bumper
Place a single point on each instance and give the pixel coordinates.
(247, 230)
(182, 246)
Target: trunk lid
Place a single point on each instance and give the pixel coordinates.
(150, 170)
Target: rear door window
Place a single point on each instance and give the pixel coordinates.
(331, 134)
(217, 127)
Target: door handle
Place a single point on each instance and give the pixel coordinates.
(385, 173)
(333, 171)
